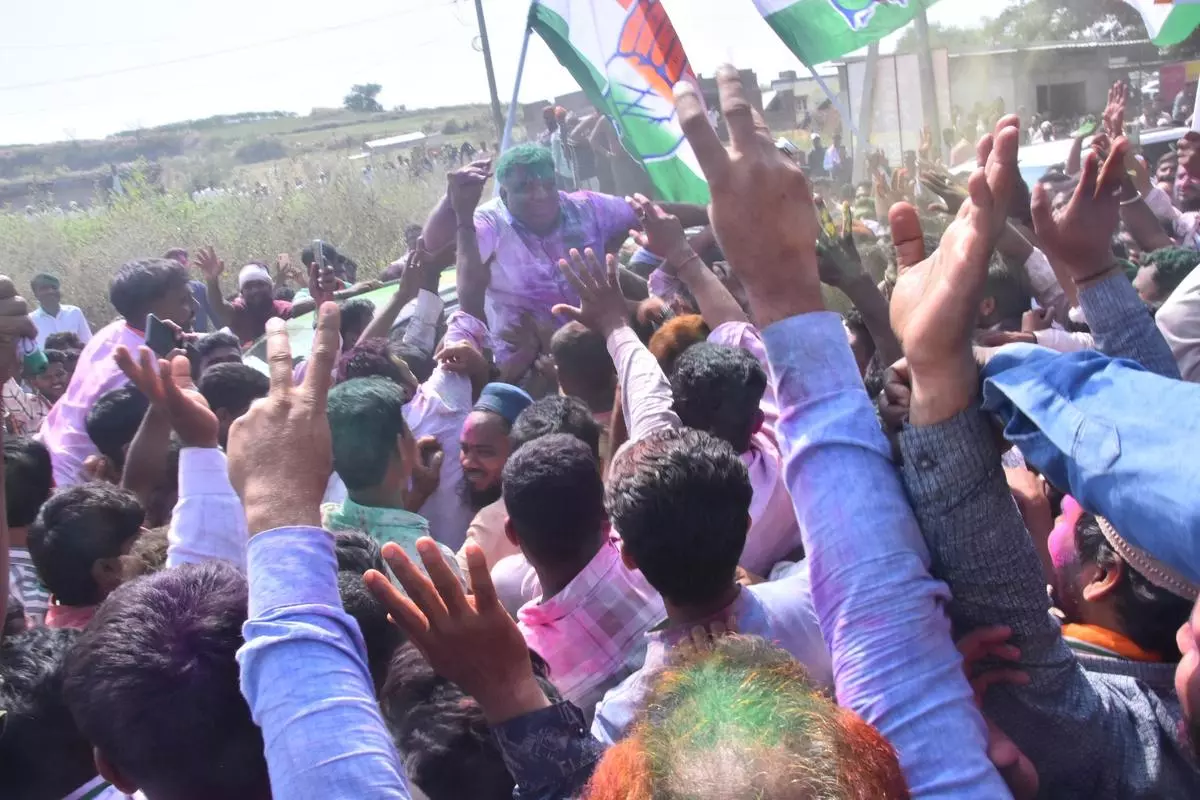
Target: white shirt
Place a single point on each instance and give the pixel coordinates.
(69, 320)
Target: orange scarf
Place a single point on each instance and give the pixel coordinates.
(1111, 641)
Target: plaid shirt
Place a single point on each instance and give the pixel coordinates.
(592, 633)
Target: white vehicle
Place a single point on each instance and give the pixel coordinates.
(1035, 159)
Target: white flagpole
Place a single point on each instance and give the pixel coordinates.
(506, 142)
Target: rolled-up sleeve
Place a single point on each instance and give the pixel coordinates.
(209, 521)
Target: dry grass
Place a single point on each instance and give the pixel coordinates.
(366, 222)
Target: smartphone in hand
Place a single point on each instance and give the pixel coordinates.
(160, 337)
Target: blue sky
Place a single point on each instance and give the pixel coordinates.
(80, 69)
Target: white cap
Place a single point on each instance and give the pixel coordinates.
(251, 273)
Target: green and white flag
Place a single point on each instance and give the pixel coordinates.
(1168, 23)
(822, 30)
(626, 57)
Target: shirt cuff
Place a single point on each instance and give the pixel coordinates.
(946, 462)
(203, 471)
(545, 748)
(811, 354)
(463, 327)
(292, 566)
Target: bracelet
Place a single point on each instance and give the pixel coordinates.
(1137, 198)
(686, 261)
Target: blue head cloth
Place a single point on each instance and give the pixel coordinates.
(1123, 441)
(504, 399)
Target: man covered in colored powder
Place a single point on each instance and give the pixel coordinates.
(524, 232)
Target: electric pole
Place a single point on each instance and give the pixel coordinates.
(929, 107)
(497, 114)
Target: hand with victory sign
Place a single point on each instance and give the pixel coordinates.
(936, 299)
(762, 205)
(281, 451)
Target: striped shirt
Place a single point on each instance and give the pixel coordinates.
(23, 584)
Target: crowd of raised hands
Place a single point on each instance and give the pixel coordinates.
(927, 580)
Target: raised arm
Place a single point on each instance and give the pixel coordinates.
(645, 393)
(303, 664)
(1078, 236)
(975, 533)
(213, 268)
(208, 521)
(663, 235)
(465, 189)
(880, 611)
(439, 228)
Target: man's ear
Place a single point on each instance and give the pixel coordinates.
(101, 468)
(1105, 579)
(510, 533)
(108, 573)
(759, 419)
(113, 775)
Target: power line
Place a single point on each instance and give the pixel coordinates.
(214, 53)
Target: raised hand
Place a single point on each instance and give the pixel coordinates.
(280, 451)
(167, 384)
(464, 187)
(1114, 112)
(762, 205)
(601, 304)
(662, 233)
(838, 260)
(936, 299)
(471, 641)
(414, 275)
(14, 326)
(285, 270)
(208, 263)
(1079, 235)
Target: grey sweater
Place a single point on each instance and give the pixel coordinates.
(1094, 727)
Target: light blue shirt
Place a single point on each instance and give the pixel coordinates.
(880, 612)
(780, 612)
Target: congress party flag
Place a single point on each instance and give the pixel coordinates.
(822, 30)
(1168, 23)
(626, 57)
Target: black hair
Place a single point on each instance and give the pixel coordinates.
(153, 684)
(357, 314)
(285, 293)
(139, 283)
(681, 500)
(585, 369)
(233, 387)
(113, 420)
(63, 341)
(55, 357)
(555, 497)
(28, 479)
(442, 736)
(42, 752)
(557, 414)
(380, 636)
(1150, 615)
(420, 363)
(1007, 289)
(75, 528)
(854, 321)
(718, 389)
(14, 624)
(357, 552)
(369, 358)
(218, 340)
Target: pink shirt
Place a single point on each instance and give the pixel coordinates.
(592, 633)
(64, 432)
(524, 266)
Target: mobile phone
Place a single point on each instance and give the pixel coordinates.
(318, 254)
(159, 336)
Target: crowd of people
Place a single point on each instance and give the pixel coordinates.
(639, 517)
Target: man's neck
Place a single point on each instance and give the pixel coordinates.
(379, 497)
(700, 612)
(51, 310)
(555, 578)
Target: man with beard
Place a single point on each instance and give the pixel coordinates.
(485, 446)
(247, 314)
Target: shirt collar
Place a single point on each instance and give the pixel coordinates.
(668, 635)
(575, 593)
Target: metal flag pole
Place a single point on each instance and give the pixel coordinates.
(506, 142)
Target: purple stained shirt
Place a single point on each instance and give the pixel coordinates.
(524, 266)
